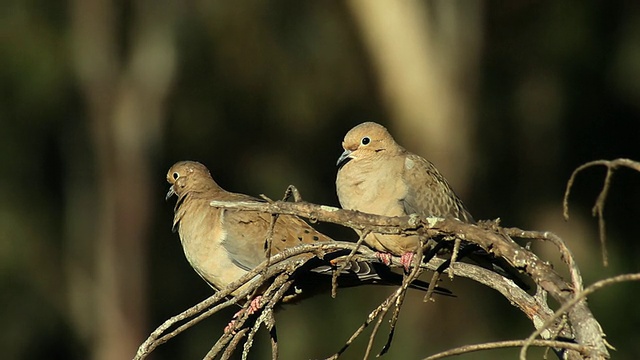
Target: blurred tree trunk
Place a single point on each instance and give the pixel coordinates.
(124, 108)
(426, 55)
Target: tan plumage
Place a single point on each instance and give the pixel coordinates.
(223, 245)
(378, 176)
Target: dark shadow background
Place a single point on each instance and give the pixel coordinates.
(99, 98)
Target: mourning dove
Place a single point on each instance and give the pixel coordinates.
(223, 245)
(378, 176)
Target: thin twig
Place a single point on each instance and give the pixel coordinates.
(334, 277)
(565, 253)
(155, 339)
(229, 349)
(372, 316)
(454, 254)
(400, 299)
(435, 278)
(269, 317)
(598, 208)
(274, 293)
(376, 327)
(197, 319)
(506, 344)
(578, 297)
(492, 241)
(495, 241)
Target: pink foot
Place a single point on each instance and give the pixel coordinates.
(253, 307)
(384, 257)
(407, 261)
(230, 326)
(255, 304)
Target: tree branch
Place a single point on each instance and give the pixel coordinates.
(598, 208)
(276, 275)
(572, 321)
(589, 333)
(504, 344)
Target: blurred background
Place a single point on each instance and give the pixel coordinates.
(100, 98)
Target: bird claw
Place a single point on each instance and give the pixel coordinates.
(407, 261)
(253, 307)
(384, 257)
(230, 327)
(255, 304)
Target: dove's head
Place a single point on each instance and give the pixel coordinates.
(188, 176)
(366, 141)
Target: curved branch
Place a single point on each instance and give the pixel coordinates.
(589, 332)
(565, 253)
(598, 207)
(505, 344)
(576, 300)
(588, 335)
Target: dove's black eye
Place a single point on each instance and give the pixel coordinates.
(365, 140)
(175, 176)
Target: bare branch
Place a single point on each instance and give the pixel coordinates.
(372, 316)
(594, 353)
(565, 254)
(598, 208)
(275, 293)
(275, 275)
(334, 278)
(276, 266)
(405, 285)
(498, 243)
(504, 344)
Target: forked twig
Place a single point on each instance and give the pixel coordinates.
(496, 240)
(565, 253)
(578, 297)
(505, 344)
(372, 316)
(598, 207)
(334, 277)
(398, 303)
(275, 293)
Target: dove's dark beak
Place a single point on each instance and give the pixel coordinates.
(170, 193)
(344, 158)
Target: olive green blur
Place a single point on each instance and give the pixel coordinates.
(99, 98)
